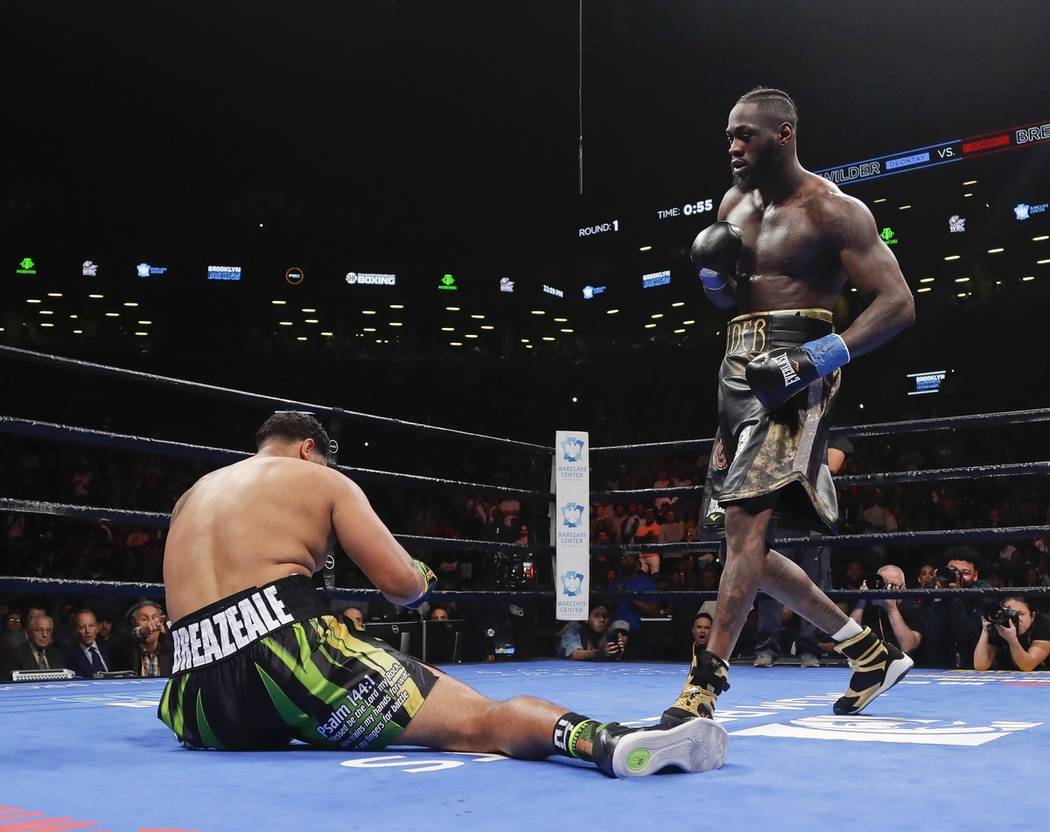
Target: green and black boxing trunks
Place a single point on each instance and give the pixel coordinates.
(271, 664)
(758, 453)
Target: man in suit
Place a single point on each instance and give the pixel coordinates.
(87, 655)
(40, 652)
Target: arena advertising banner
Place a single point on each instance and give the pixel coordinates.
(571, 524)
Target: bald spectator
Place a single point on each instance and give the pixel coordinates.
(898, 622)
(87, 656)
(355, 616)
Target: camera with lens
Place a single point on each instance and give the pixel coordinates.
(947, 575)
(515, 571)
(1002, 616)
(875, 581)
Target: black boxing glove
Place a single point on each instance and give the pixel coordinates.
(715, 252)
(777, 375)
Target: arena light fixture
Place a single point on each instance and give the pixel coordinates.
(548, 338)
(368, 329)
(284, 323)
(112, 314)
(679, 331)
(962, 280)
(568, 331)
(524, 340)
(487, 327)
(952, 257)
(33, 300)
(308, 310)
(144, 323)
(54, 294)
(677, 303)
(927, 279)
(471, 335)
(1027, 278)
(996, 250)
(300, 338)
(278, 302)
(537, 312)
(967, 195)
(925, 289)
(327, 334)
(455, 343)
(612, 311)
(877, 201)
(49, 325)
(528, 346)
(645, 248)
(368, 312)
(650, 326)
(397, 323)
(1042, 262)
(963, 295)
(690, 323)
(141, 334)
(451, 308)
(74, 317)
(311, 321)
(75, 331)
(130, 303)
(96, 296)
(478, 317)
(903, 207)
(561, 320)
(656, 315)
(448, 329)
(970, 182)
(45, 312)
(1040, 238)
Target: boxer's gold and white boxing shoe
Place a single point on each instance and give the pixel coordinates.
(695, 745)
(876, 666)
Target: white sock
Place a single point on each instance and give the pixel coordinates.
(850, 629)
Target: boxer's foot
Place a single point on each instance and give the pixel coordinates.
(708, 677)
(877, 667)
(693, 745)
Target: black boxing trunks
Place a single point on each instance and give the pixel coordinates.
(271, 664)
(784, 453)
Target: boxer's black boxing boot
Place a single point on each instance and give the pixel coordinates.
(693, 745)
(708, 677)
(877, 667)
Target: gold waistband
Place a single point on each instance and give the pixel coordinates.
(816, 314)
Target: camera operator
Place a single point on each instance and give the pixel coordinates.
(896, 621)
(594, 640)
(1013, 637)
(953, 625)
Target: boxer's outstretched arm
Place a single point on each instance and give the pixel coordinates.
(870, 266)
(369, 543)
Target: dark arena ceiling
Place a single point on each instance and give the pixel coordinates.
(378, 203)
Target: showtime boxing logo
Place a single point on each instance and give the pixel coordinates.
(368, 279)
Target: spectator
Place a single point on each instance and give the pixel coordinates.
(953, 626)
(438, 613)
(631, 578)
(39, 653)
(1025, 646)
(355, 616)
(663, 481)
(672, 529)
(14, 635)
(148, 649)
(702, 630)
(898, 622)
(86, 656)
(589, 640)
(649, 529)
(927, 575)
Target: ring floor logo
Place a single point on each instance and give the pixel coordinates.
(888, 729)
(572, 449)
(572, 583)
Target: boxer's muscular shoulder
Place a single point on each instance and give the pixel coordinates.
(844, 219)
(732, 198)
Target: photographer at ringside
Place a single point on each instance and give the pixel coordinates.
(953, 625)
(594, 640)
(1013, 637)
(897, 621)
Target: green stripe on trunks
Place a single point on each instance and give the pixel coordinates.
(208, 738)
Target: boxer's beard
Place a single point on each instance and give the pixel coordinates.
(756, 174)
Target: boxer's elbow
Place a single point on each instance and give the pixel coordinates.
(903, 306)
(401, 586)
